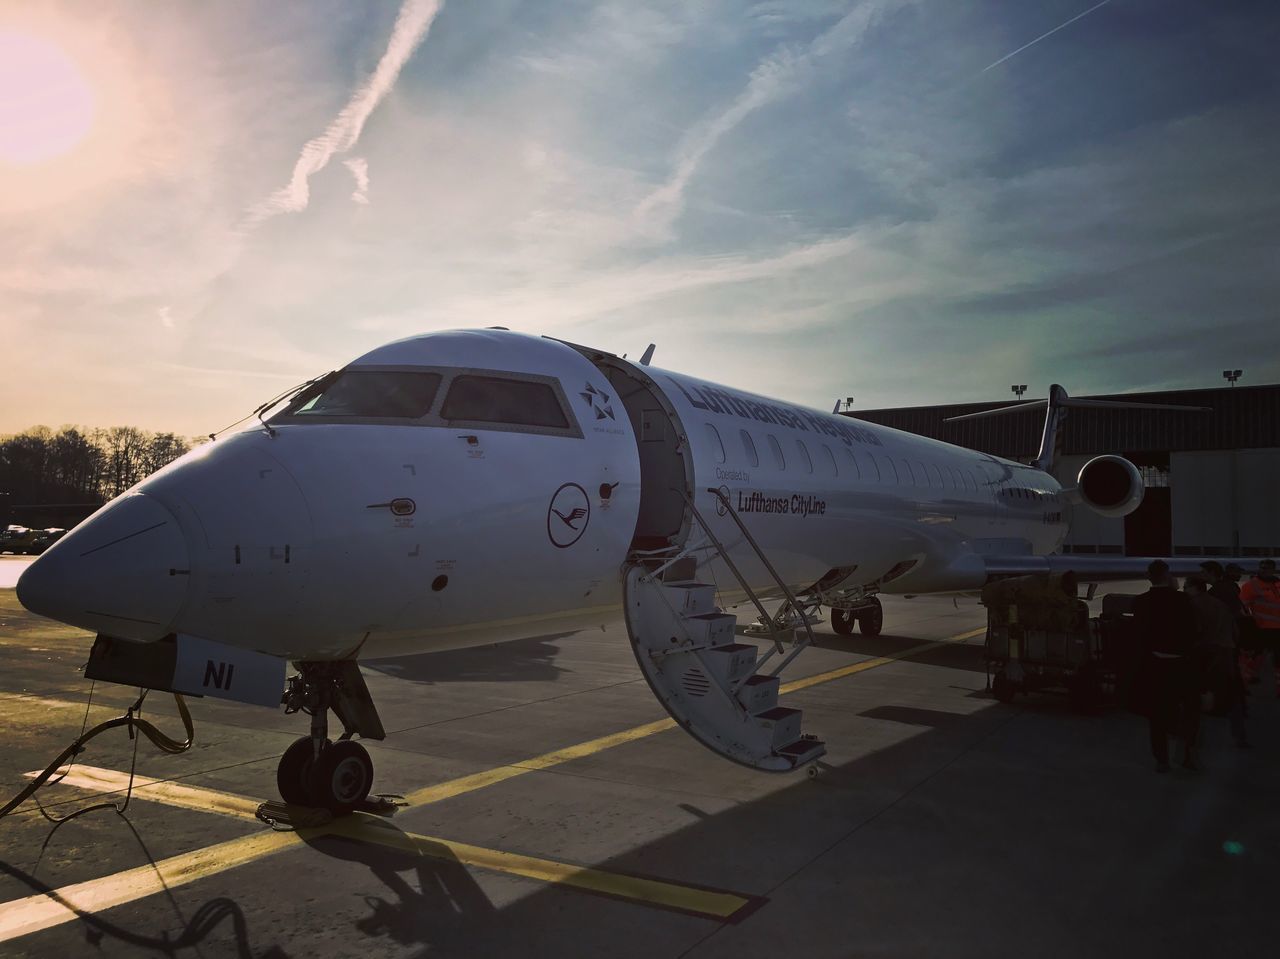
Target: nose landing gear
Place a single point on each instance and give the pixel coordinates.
(315, 771)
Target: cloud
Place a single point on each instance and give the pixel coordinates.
(165, 315)
(359, 168)
(411, 27)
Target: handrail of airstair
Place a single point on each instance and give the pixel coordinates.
(786, 591)
(724, 554)
(728, 561)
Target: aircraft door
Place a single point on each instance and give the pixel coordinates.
(664, 472)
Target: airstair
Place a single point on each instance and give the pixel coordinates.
(687, 648)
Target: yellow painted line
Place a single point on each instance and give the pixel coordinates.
(862, 667)
(22, 917)
(466, 784)
(168, 792)
(363, 828)
(653, 892)
(41, 911)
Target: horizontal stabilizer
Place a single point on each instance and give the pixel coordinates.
(1071, 403)
(1056, 407)
(1016, 408)
(1124, 405)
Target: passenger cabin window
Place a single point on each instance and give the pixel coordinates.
(873, 468)
(778, 458)
(717, 447)
(805, 459)
(494, 399)
(853, 461)
(749, 447)
(368, 394)
(828, 461)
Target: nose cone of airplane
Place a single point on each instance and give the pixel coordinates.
(124, 572)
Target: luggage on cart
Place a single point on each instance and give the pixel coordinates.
(1121, 655)
(1039, 636)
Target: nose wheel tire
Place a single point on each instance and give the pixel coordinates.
(871, 618)
(842, 621)
(341, 778)
(294, 772)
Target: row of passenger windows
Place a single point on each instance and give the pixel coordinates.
(410, 395)
(862, 464)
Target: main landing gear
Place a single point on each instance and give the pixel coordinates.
(316, 771)
(869, 616)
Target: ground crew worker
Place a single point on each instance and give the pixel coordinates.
(1165, 623)
(1260, 596)
(1218, 628)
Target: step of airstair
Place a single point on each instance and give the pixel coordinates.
(688, 653)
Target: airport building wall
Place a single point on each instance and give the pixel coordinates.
(1212, 478)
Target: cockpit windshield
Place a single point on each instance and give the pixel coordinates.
(367, 394)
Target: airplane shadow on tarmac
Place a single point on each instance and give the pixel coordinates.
(518, 660)
(961, 846)
(446, 903)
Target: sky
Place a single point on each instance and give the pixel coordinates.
(903, 201)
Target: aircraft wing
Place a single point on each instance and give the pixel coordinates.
(1105, 568)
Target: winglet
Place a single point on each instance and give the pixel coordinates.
(648, 355)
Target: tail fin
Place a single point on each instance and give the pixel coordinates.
(1055, 408)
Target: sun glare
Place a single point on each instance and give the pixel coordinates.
(46, 104)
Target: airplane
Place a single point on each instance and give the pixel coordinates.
(458, 488)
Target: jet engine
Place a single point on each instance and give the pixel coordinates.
(1110, 485)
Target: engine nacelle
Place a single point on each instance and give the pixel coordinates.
(1110, 485)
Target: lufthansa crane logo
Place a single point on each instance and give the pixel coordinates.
(568, 515)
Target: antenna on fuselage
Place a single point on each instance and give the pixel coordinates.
(648, 354)
(1055, 408)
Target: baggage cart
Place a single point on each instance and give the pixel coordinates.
(1040, 637)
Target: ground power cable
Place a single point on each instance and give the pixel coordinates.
(135, 724)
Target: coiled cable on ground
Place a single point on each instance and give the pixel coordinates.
(133, 721)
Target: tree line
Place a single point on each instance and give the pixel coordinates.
(75, 465)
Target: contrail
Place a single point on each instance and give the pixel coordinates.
(410, 29)
(1043, 35)
(774, 78)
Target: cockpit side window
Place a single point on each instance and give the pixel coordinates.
(368, 394)
(509, 402)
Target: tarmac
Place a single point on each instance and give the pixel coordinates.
(546, 806)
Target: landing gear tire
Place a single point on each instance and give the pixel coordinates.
(871, 618)
(1002, 687)
(293, 775)
(340, 779)
(842, 621)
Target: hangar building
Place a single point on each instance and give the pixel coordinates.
(1212, 478)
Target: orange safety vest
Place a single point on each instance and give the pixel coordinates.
(1262, 600)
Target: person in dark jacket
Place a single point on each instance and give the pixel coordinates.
(1165, 624)
(1224, 585)
(1218, 632)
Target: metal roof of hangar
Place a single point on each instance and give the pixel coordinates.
(1241, 417)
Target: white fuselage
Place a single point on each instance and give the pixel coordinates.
(332, 535)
